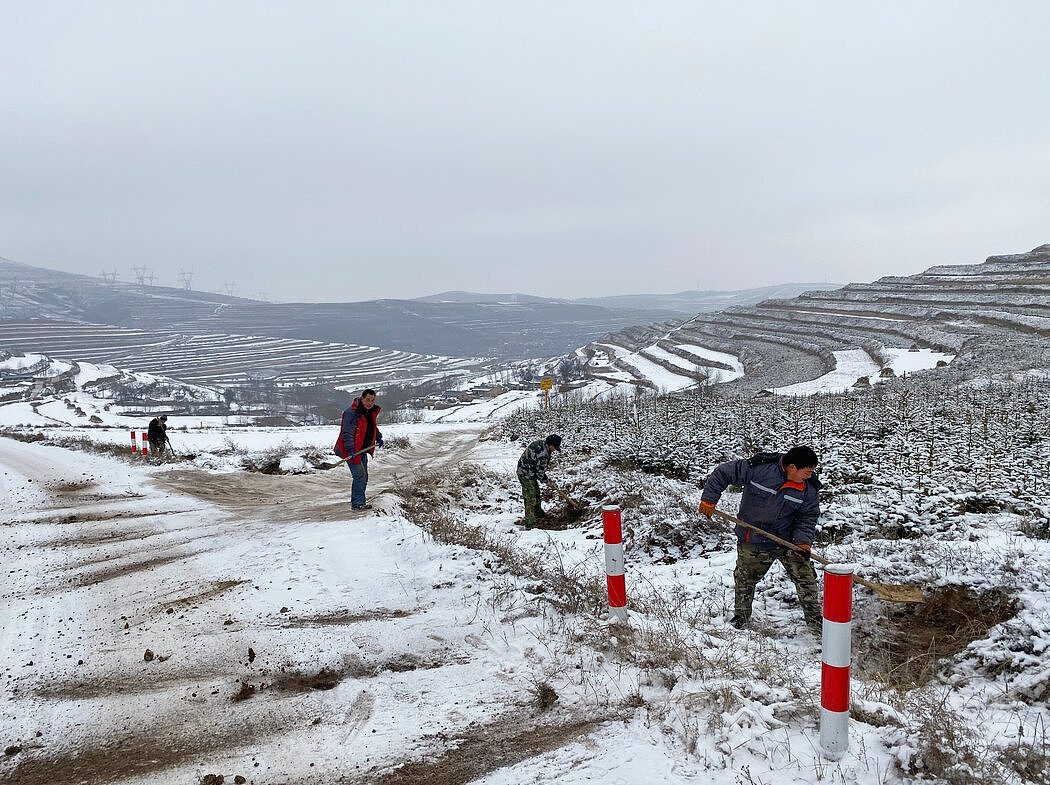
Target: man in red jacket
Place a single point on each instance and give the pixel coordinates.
(358, 438)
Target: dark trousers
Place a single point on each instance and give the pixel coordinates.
(753, 564)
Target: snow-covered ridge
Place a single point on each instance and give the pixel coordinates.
(997, 312)
(221, 360)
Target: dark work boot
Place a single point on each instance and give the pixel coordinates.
(739, 621)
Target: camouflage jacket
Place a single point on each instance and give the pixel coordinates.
(534, 461)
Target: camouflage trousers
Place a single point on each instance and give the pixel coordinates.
(530, 491)
(753, 564)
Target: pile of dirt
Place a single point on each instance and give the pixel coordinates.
(567, 516)
(909, 642)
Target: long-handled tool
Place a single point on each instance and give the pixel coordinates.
(575, 505)
(341, 461)
(347, 458)
(892, 592)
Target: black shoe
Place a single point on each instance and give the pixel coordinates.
(816, 627)
(738, 621)
(360, 506)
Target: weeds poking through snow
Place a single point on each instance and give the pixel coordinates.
(544, 695)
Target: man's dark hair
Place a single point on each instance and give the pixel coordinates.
(800, 457)
(554, 440)
(368, 391)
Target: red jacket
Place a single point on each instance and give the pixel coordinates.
(354, 431)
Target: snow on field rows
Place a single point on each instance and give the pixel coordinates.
(852, 364)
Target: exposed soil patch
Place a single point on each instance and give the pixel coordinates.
(113, 536)
(150, 679)
(106, 514)
(344, 617)
(905, 649)
(290, 497)
(490, 747)
(563, 517)
(319, 496)
(329, 678)
(96, 577)
(67, 487)
(80, 564)
(214, 589)
(145, 747)
(89, 498)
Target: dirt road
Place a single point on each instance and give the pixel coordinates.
(321, 496)
(158, 628)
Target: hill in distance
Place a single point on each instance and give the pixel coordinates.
(453, 324)
(685, 303)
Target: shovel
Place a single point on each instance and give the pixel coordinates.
(347, 458)
(575, 505)
(341, 461)
(891, 592)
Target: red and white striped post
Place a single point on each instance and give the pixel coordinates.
(614, 562)
(836, 646)
(134, 443)
(145, 443)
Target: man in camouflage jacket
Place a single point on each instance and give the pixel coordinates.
(780, 496)
(532, 467)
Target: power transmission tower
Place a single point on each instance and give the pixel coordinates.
(186, 277)
(142, 274)
(108, 277)
(229, 287)
(150, 278)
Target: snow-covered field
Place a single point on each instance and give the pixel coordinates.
(854, 364)
(163, 622)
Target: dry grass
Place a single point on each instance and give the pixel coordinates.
(912, 642)
(677, 640)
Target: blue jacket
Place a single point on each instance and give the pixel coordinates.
(786, 512)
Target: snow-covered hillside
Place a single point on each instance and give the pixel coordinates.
(996, 314)
(223, 621)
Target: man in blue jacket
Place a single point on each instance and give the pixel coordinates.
(781, 496)
(358, 438)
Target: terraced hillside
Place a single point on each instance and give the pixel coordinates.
(995, 314)
(219, 360)
(508, 330)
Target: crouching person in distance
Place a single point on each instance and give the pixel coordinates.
(157, 434)
(532, 468)
(358, 438)
(781, 497)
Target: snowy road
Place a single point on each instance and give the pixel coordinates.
(159, 626)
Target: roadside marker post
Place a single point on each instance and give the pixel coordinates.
(145, 443)
(614, 563)
(836, 653)
(134, 443)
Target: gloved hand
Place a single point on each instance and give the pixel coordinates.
(804, 553)
(379, 442)
(706, 508)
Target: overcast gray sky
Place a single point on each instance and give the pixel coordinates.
(343, 151)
